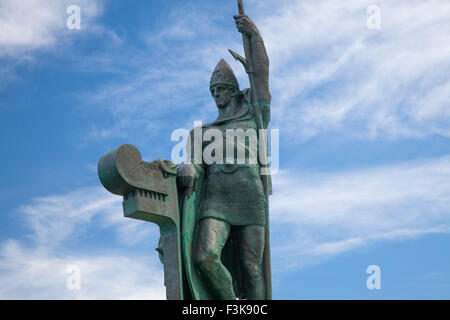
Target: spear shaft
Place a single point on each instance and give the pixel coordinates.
(241, 7)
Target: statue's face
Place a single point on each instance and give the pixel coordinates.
(221, 94)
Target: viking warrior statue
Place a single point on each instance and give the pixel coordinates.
(225, 205)
(212, 211)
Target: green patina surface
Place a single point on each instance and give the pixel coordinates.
(213, 217)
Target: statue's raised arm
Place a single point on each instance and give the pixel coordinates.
(257, 61)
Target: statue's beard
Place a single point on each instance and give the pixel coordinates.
(222, 105)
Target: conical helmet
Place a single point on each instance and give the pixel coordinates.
(223, 74)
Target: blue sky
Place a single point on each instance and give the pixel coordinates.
(364, 122)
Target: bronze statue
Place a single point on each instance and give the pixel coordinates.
(235, 197)
(214, 217)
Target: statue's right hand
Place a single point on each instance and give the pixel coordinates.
(187, 177)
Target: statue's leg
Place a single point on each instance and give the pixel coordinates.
(211, 238)
(251, 239)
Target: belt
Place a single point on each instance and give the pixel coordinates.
(227, 168)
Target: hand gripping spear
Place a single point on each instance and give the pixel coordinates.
(249, 68)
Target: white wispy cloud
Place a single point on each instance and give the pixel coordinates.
(330, 73)
(59, 218)
(30, 273)
(323, 215)
(36, 267)
(33, 27)
(38, 24)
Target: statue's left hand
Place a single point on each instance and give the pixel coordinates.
(245, 25)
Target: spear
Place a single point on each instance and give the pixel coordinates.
(247, 62)
(249, 68)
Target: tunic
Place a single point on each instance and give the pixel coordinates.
(234, 191)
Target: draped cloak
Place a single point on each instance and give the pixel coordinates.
(205, 203)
